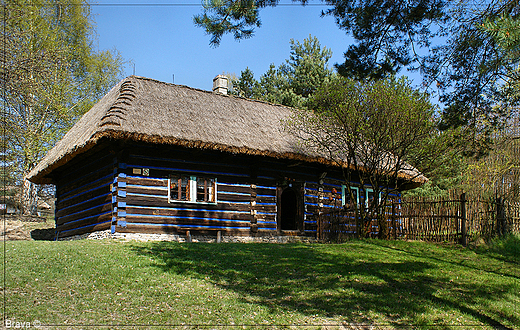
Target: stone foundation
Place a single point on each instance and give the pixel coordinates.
(106, 234)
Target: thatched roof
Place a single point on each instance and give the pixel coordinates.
(142, 109)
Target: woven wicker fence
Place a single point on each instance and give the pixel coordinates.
(454, 219)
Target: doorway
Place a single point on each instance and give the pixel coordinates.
(289, 210)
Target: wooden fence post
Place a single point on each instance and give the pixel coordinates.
(500, 216)
(394, 220)
(464, 238)
(319, 235)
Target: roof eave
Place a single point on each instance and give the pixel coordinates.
(45, 176)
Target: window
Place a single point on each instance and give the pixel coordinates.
(206, 190)
(346, 199)
(187, 188)
(371, 196)
(179, 188)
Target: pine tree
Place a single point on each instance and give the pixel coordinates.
(506, 32)
(295, 80)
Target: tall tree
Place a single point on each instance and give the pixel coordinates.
(376, 131)
(246, 85)
(51, 74)
(295, 80)
(497, 175)
(505, 30)
(442, 39)
(386, 30)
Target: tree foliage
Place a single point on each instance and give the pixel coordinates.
(376, 130)
(444, 40)
(293, 82)
(505, 30)
(498, 174)
(51, 74)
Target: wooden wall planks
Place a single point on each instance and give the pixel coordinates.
(83, 197)
(127, 184)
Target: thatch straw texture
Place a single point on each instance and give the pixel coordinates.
(147, 110)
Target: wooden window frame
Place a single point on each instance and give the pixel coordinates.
(192, 189)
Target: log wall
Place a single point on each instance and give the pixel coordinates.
(125, 187)
(83, 195)
(247, 190)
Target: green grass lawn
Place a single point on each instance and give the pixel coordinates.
(387, 284)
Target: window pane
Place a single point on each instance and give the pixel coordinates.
(202, 190)
(355, 197)
(185, 188)
(350, 199)
(370, 197)
(179, 187)
(205, 190)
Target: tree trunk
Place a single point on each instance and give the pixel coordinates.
(29, 197)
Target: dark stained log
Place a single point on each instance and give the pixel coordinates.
(163, 202)
(130, 228)
(82, 167)
(266, 199)
(147, 201)
(83, 196)
(188, 213)
(266, 217)
(265, 208)
(87, 182)
(84, 222)
(222, 188)
(105, 198)
(312, 199)
(144, 181)
(223, 197)
(83, 214)
(79, 231)
(146, 191)
(196, 165)
(187, 223)
(151, 229)
(261, 225)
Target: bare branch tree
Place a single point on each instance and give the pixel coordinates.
(379, 132)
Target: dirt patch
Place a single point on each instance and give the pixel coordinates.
(16, 228)
(14, 231)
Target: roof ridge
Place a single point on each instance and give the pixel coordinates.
(211, 92)
(117, 112)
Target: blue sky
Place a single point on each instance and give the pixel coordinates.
(162, 41)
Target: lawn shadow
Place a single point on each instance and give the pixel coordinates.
(318, 279)
(46, 234)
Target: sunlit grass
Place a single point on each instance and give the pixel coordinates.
(388, 284)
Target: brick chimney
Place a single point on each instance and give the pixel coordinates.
(220, 84)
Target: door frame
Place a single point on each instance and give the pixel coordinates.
(298, 188)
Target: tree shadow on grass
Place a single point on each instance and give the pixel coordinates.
(45, 234)
(322, 280)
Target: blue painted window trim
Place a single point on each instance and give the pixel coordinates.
(344, 194)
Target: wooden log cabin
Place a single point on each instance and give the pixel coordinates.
(153, 157)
